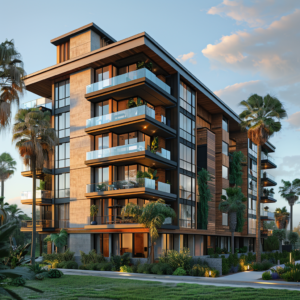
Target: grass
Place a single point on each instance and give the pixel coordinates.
(89, 287)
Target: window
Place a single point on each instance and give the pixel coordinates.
(224, 172)
(62, 93)
(102, 141)
(102, 74)
(62, 125)
(62, 215)
(186, 216)
(62, 185)
(187, 128)
(127, 69)
(186, 187)
(225, 148)
(64, 52)
(225, 124)
(102, 108)
(224, 215)
(187, 98)
(62, 155)
(187, 158)
(101, 175)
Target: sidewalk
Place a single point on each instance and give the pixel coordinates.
(243, 279)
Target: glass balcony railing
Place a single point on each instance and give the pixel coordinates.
(253, 173)
(164, 187)
(38, 194)
(125, 149)
(267, 157)
(267, 193)
(114, 81)
(268, 214)
(62, 193)
(121, 185)
(121, 115)
(266, 175)
(41, 102)
(252, 152)
(39, 224)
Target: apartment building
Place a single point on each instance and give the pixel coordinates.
(121, 108)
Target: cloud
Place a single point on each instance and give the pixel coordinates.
(255, 13)
(288, 168)
(187, 57)
(271, 52)
(17, 200)
(294, 120)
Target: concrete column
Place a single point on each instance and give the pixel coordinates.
(116, 244)
(80, 242)
(191, 244)
(177, 242)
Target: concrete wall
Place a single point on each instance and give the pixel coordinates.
(215, 263)
(80, 242)
(80, 144)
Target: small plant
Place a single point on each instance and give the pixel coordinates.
(119, 261)
(179, 272)
(39, 277)
(198, 270)
(19, 281)
(70, 265)
(177, 259)
(93, 212)
(210, 251)
(154, 145)
(127, 269)
(101, 187)
(266, 276)
(36, 268)
(144, 64)
(42, 185)
(91, 257)
(54, 273)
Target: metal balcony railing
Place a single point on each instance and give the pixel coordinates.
(38, 194)
(39, 224)
(41, 102)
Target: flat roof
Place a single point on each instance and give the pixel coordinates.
(65, 37)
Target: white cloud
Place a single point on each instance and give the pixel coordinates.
(255, 13)
(187, 57)
(294, 120)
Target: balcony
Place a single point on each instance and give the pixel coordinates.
(267, 162)
(41, 102)
(42, 197)
(41, 225)
(26, 171)
(123, 155)
(267, 196)
(141, 118)
(141, 82)
(137, 188)
(267, 216)
(264, 233)
(267, 179)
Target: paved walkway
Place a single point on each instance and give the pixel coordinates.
(243, 279)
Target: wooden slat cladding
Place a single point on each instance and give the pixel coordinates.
(204, 114)
(225, 160)
(241, 140)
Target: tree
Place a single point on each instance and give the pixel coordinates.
(280, 234)
(272, 243)
(7, 169)
(59, 239)
(281, 218)
(35, 140)
(11, 80)
(231, 204)
(290, 192)
(237, 160)
(152, 215)
(261, 118)
(293, 238)
(3, 211)
(204, 196)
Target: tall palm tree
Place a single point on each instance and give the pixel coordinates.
(11, 80)
(231, 204)
(152, 215)
(290, 192)
(261, 118)
(7, 169)
(35, 140)
(3, 211)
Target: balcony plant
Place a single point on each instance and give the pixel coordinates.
(268, 192)
(132, 103)
(101, 187)
(42, 185)
(93, 212)
(281, 218)
(154, 145)
(152, 215)
(144, 64)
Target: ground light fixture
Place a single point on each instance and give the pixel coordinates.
(209, 273)
(248, 267)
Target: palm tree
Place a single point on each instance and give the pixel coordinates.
(3, 211)
(261, 118)
(231, 204)
(290, 192)
(11, 80)
(35, 140)
(282, 217)
(152, 215)
(15, 213)
(7, 169)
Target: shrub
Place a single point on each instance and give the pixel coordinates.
(176, 260)
(147, 268)
(214, 273)
(271, 243)
(243, 249)
(19, 281)
(135, 267)
(36, 268)
(106, 266)
(59, 257)
(55, 273)
(39, 277)
(266, 276)
(210, 251)
(180, 272)
(61, 265)
(119, 261)
(68, 255)
(84, 267)
(92, 266)
(91, 257)
(225, 266)
(218, 250)
(266, 265)
(70, 265)
(198, 270)
(165, 269)
(127, 269)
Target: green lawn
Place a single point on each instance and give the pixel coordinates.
(84, 287)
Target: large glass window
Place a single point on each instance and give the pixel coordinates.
(224, 215)
(186, 187)
(224, 172)
(187, 128)
(225, 124)
(186, 216)
(101, 175)
(102, 108)
(102, 141)
(187, 158)
(225, 148)
(62, 215)
(62, 185)
(62, 155)
(62, 124)
(187, 98)
(62, 93)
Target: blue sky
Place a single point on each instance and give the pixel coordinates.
(236, 48)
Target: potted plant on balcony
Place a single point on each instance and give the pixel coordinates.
(93, 212)
(281, 218)
(42, 185)
(144, 64)
(101, 187)
(154, 145)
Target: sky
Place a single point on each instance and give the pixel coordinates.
(236, 48)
